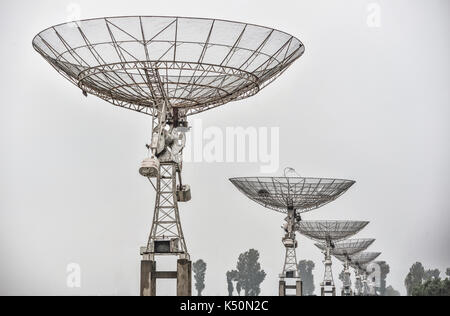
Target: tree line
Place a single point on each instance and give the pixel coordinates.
(247, 277)
(422, 282)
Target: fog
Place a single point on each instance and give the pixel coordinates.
(368, 101)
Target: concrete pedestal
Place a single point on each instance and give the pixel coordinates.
(299, 288)
(331, 292)
(149, 275)
(184, 277)
(148, 278)
(282, 288)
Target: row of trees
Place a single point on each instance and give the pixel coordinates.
(248, 275)
(422, 282)
(199, 268)
(306, 268)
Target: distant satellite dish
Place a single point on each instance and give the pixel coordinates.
(290, 172)
(331, 231)
(284, 193)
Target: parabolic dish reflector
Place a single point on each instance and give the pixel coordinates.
(283, 193)
(192, 64)
(330, 230)
(360, 259)
(348, 247)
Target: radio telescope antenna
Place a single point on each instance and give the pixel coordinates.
(169, 68)
(358, 261)
(292, 196)
(374, 266)
(329, 232)
(368, 289)
(290, 172)
(347, 248)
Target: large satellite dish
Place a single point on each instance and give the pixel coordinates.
(291, 195)
(363, 258)
(192, 64)
(169, 68)
(348, 247)
(345, 249)
(330, 231)
(360, 262)
(359, 259)
(298, 193)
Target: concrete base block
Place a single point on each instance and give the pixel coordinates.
(299, 288)
(184, 277)
(282, 288)
(149, 275)
(148, 278)
(327, 292)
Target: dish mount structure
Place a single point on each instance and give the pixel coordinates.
(291, 195)
(359, 262)
(346, 249)
(168, 68)
(329, 232)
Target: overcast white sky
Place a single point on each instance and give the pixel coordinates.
(364, 103)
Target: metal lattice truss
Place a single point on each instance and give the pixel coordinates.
(290, 263)
(348, 247)
(191, 64)
(283, 193)
(358, 283)
(330, 231)
(166, 218)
